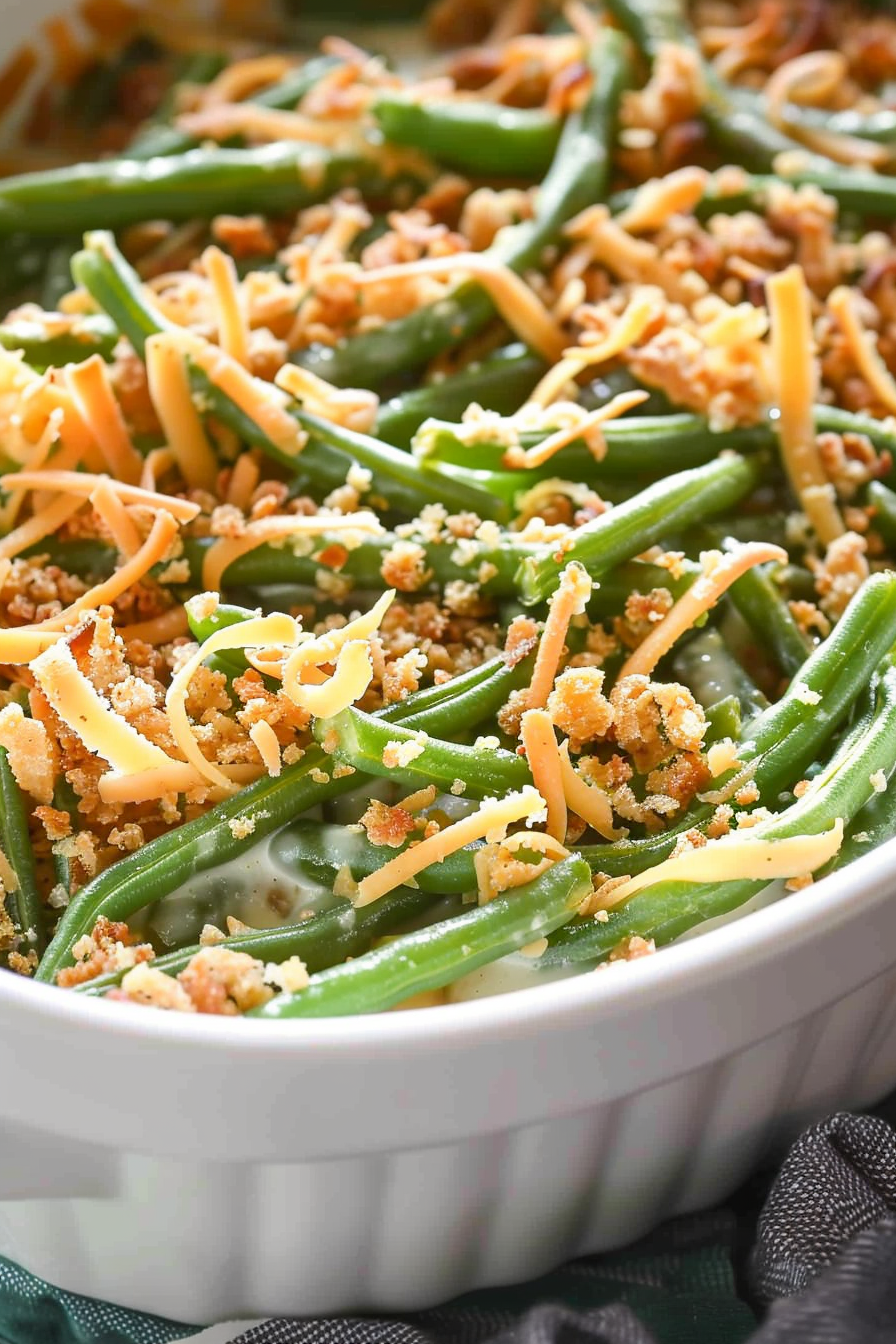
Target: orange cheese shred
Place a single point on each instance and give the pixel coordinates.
(116, 517)
(82, 484)
(587, 800)
(38, 526)
(169, 388)
(568, 600)
(540, 743)
(233, 329)
(92, 393)
(719, 572)
(795, 378)
(584, 429)
(490, 820)
(628, 329)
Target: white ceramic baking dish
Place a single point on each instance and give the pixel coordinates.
(208, 1168)
(216, 1168)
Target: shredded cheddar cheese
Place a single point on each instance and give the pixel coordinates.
(169, 387)
(626, 331)
(491, 819)
(83, 484)
(540, 744)
(741, 857)
(794, 375)
(92, 392)
(233, 329)
(584, 429)
(655, 201)
(276, 629)
(586, 800)
(719, 572)
(569, 599)
(280, 527)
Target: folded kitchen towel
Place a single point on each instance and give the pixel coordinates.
(822, 1270)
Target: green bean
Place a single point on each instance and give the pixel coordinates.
(855, 191)
(879, 126)
(317, 851)
(666, 507)
(209, 841)
(708, 667)
(668, 909)
(723, 720)
(635, 446)
(65, 800)
(883, 501)
(434, 957)
(871, 827)
(577, 178)
(360, 740)
(502, 382)
(23, 904)
(162, 141)
(481, 138)
(322, 940)
(59, 340)
(758, 600)
(733, 121)
(197, 184)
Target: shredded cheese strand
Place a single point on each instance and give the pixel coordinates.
(737, 857)
(279, 527)
(655, 201)
(91, 389)
(265, 739)
(259, 123)
(863, 346)
(353, 407)
(351, 677)
(38, 526)
(719, 572)
(794, 376)
(516, 301)
(540, 744)
(536, 457)
(254, 633)
(628, 329)
(587, 800)
(262, 402)
(233, 329)
(568, 600)
(243, 480)
(88, 714)
(169, 388)
(153, 550)
(145, 786)
(159, 630)
(490, 819)
(108, 505)
(83, 484)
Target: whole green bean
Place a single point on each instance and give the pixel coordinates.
(668, 909)
(481, 138)
(23, 904)
(502, 382)
(662, 509)
(61, 340)
(759, 601)
(434, 957)
(360, 740)
(198, 184)
(322, 940)
(577, 178)
(636, 446)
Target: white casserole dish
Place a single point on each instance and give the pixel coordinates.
(207, 1169)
